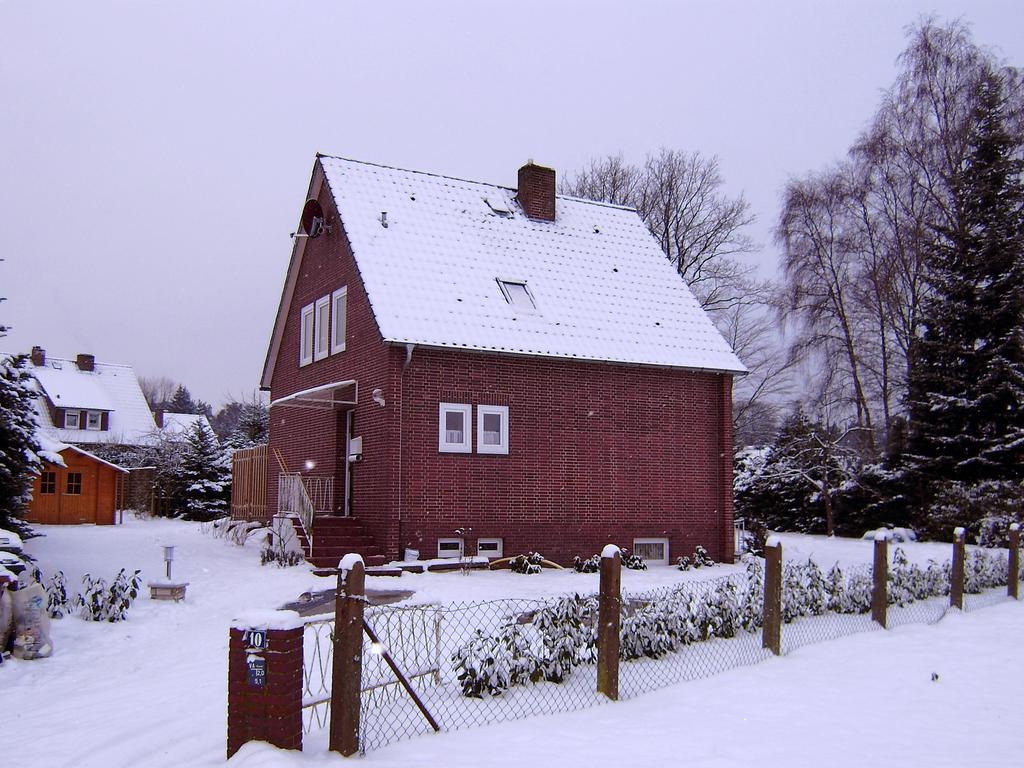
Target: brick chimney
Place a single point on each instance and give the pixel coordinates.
(86, 362)
(537, 191)
(38, 356)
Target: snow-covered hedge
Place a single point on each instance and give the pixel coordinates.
(548, 645)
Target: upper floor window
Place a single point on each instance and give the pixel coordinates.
(72, 419)
(306, 335)
(492, 429)
(323, 328)
(339, 309)
(454, 424)
(93, 420)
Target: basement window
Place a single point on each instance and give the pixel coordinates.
(517, 294)
(72, 419)
(653, 551)
(306, 336)
(449, 548)
(492, 429)
(491, 548)
(454, 428)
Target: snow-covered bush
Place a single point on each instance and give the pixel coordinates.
(490, 664)
(102, 602)
(984, 570)
(805, 591)
(849, 594)
(281, 557)
(527, 564)
(985, 509)
(701, 559)
(591, 564)
(57, 601)
(235, 531)
(631, 561)
(567, 635)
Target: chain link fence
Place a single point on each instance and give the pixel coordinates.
(480, 663)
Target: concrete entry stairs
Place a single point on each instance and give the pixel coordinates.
(335, 537)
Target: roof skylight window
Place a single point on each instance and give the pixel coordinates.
(517, 294)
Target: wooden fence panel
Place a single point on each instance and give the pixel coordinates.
(249, 484)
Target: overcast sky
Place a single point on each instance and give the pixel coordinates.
(154, 157)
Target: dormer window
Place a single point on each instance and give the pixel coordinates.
(72, 419)
(517, 294)
(94, 420)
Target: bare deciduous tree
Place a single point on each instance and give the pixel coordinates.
(157, 389)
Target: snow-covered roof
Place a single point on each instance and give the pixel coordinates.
(603, 289)
(181, 423)
(109, 387)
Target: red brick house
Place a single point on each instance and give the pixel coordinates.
(461, 367)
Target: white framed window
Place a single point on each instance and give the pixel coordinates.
(339, 308)
(492, 429)
(652, 551)
(72, 419)
(454, 428)
(492, 548)
(449, 548)
(322, 326)
(93, 420)
(306, 335)
(518, 294)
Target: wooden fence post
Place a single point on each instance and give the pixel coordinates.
(608, 620)
(347, 678)
(1013, 571)
(771, 634)
(956, 578)
(880, 583)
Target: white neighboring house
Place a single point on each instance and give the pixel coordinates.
(177, 425)
(83, 402)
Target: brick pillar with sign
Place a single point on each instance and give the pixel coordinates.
(265, 684)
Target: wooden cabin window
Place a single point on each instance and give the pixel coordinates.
(74, 483)
(48, 483)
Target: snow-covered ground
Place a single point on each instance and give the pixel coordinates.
(151, 691)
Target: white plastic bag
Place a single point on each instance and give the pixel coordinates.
(31, 623)
(6, 618)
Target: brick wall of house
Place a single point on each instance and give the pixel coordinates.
(303, 435)
(598, 453)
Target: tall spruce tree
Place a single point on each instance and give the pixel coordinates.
(205, 474)
(967, 376)
(19, 448)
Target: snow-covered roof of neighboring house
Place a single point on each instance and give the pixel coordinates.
(181, 423)
(602, 286)
(109, 387)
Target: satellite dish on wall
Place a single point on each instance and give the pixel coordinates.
(312, 222)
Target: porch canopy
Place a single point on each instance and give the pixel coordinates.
(340, 394)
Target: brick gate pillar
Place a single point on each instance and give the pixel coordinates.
(265, 684)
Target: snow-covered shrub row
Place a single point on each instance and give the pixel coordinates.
(235, 531)
(102, 602)
(281, 557)
(984, 570)
(701, 559)
(560, 637)
(591, 565)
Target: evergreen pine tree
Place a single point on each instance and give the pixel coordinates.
(967, 377)
(206, 475)
(253, 427)
(19, 447)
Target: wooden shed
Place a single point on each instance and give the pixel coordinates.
(86, 490)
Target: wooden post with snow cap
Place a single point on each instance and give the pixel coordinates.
(347, 677)
(956, 578)
(608, 619)
(880, 581)
(1013, 571)
(771, 633)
